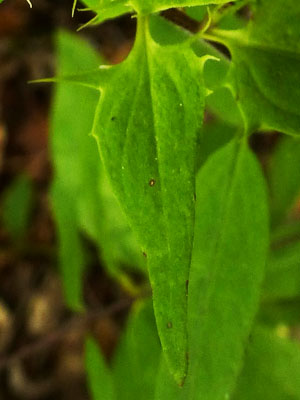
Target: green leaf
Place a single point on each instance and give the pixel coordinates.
(119, 246)
(145, 7)
(280, 312)
(17, 206)
(99, 376)
(107, 9)
(71, 257)
(71, 121)
(166, 387)
(282, 279)
(265, 71)
(138, 354)
(271, 370)
(150, 112)
(94, 210)
(230, 250)
(220, 102)
(284, 176)
(214, 135)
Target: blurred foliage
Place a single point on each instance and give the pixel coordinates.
(17, 204)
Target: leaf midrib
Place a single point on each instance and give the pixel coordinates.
(146, 42)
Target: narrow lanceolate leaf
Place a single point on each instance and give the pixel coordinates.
(137, 357)
(230, 249)
(99, 377)
(73, 158)
(284, 174)
(282, 281)
(271, 370)
(150, 111)
(266, 66)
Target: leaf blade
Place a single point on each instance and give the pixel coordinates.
(147, 140)
(220, 316)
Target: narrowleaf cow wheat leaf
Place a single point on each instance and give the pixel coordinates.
(284, 176)
(230, 249)
(95, 210)
(99, 375)
(265, 72)
(71, 122)
(282, 281)
(137, 356)
(146, 125)
(271, 370)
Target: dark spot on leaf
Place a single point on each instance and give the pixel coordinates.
(187, 356)
(187, 286)
(169, 325)
(195, 197)
(113, 118)
(144, 254)
(152, 182)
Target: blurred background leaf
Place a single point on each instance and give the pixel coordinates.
(83, 202)
(17, 203)
(99, 376)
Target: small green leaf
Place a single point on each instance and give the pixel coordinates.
(99, 376)
(214, 135)
(284, 176)
(265, 71)
(282, 281)
(137, 359)
(71, 257)
(107, 9)
(17, 206)
(271, 370)
(94, 210)
(147, 121)
(230, 250)
(71, 121)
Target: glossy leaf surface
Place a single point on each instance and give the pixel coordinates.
(230, 250)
